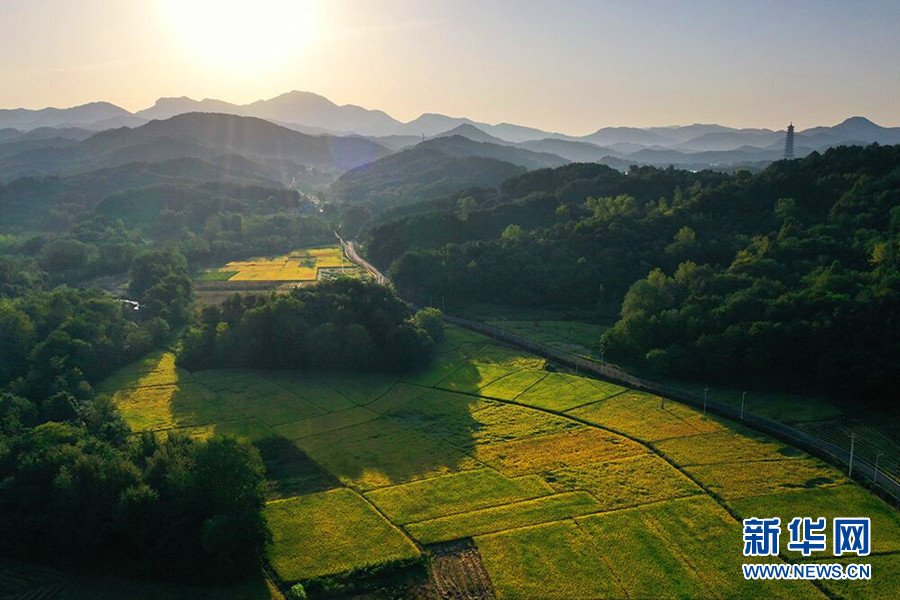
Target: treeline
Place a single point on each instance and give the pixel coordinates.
(786, 278)
(344, 324)
(77, 489)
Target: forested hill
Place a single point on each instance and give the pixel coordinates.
(418, 174)
(790, 276)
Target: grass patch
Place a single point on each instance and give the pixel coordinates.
(840, 501)
(569, 336)
(331, 532)
(460, 492)
(626, 482)
(548, 452)
(779, 406)
(746, 479)
(643, 416)
(507, 516)
(561, 392)
(554, 561)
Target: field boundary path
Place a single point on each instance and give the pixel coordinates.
(862, 470)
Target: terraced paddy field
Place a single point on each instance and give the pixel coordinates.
(518, 481)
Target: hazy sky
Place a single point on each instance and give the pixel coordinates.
(569, 66)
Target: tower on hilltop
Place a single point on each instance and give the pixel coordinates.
(789, 143)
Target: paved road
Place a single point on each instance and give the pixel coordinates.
(350, 250)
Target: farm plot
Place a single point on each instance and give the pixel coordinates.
(758, 478)
(497, 422)
(309, 426)
(311, 388)
(543, 453)
(510, 387)
(302, 265)
(383, 453)
(452, 411)
(884, 583)
(359, 465)
(443, 364)
(254, 395)
(359, 388)
(681, 548)
(331, 532)
(626, 482)
(508, 516)
(839, 501)
(452, 494)
(491, 364)
(548, 561)
(646, 417)
(160, 407)
(726, 446)
(561, 392)
(157, 368)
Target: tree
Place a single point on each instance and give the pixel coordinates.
(431, 320)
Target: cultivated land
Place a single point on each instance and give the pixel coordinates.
(561, 486)
(301, 267)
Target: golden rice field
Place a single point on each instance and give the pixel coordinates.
(565, 486)
(301, 265)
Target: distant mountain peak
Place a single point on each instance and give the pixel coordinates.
(297, 96)
(471, 132)
(858, 121)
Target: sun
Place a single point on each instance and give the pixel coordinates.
(243, 34)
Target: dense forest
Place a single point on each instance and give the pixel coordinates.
(344, 324)
(787, 278)
(74, 229)
(75, 488)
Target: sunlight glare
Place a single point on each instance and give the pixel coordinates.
(241, 33)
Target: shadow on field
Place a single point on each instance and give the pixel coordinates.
(289, 471)
(385, 435)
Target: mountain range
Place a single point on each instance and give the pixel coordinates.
(273, 151)
(314, 114)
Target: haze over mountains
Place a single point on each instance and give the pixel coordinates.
(305, 140)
